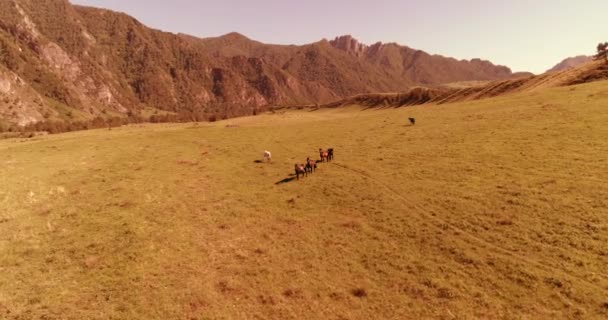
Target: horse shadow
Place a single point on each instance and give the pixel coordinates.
(258, 161)
(286, 180)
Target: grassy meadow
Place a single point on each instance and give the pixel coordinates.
(493, 209)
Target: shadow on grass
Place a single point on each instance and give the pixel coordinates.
(286, 180)
(258, 161)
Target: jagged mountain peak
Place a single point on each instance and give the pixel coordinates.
(349, 44)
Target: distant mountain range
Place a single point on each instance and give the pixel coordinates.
(64, 62)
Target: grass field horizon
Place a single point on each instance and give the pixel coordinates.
(490, 209)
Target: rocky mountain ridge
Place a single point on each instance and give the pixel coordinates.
(61, 62)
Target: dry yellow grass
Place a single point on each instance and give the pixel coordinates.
(493, 209)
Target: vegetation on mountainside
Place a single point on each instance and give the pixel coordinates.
(602, 52)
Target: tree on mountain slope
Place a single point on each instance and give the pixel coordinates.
(602, 52)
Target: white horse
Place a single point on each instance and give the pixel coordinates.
(267, 156)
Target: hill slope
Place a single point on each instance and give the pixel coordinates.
(590, 72)
(570, 63)
(65, 62)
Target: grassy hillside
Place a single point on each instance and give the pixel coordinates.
(493, 209)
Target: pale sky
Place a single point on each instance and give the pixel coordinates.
(525, 35)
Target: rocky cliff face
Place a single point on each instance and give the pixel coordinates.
(67, 63)
(350, 45)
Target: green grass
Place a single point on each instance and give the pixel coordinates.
(493, 209)
(66, 113)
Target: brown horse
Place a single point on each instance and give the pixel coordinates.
(324, 155)
(330, 154)
(300, 170)
(311, 165)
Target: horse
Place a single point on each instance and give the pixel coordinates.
(311, 165)
(300, 170)
(267, 156)
(412, 121)
(330, 154)
(324, 155)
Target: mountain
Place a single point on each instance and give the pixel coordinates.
(418, 66)
(570, 63)
(61, 62)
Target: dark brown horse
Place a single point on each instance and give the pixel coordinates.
(412, 121)
(300, 170)
(311, 165)
(330, 154)
(324, 155)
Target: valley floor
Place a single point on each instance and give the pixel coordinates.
(494, 209)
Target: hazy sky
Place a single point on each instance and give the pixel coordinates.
(525, 35)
